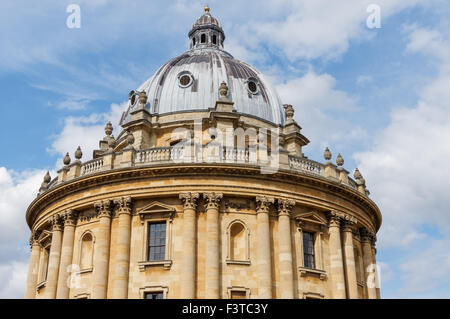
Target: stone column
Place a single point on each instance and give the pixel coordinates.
(101, 250)
(337, 266)
(350, 268)
(366, 239)
(33, 267)
(187, 281)
(285, 248)
(212, 258)
(374, 261)
(122, 257)
(264, 265)
(54, 258)
(69, 220)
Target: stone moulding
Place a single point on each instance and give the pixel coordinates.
(133, 174)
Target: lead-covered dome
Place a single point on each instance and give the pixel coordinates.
(190, 82)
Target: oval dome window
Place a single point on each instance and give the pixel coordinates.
(185, 79)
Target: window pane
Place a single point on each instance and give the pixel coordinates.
(308, 250)
(156, 241)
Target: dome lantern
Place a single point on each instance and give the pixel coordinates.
(206, 32)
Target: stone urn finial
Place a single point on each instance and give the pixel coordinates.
(78, 153)
(339, 160)
(47, 178)
(143, 99)
(130, 139)
(289, 112)
(357, 174)
(66, 159)
(223, 90)
(327, 154)
(108, 129)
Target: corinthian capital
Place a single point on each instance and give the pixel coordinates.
(69, 217)
(189, 200)
(285, 206)
(334, 218)
(103, 208)
(212, 200)
(263, 203)
(34, 237)
(366, 235)
(55, 221)
(123, 205)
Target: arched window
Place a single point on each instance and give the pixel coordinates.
(238, 243)
(203, 38)
(214, 39)
(193, 41)
(86, 251)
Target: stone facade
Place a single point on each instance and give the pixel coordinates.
(231, 225)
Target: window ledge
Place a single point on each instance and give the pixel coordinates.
(84, 271)
(238, 262)
(41, 285)
(312, 272)
(165, 263)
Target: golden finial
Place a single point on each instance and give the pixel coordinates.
(206, 9)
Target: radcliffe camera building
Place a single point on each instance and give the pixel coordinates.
(205, 193)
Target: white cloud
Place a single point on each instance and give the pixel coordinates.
(406, 170)
(427, 270)
(17, 190)
(85, 131)
(323, 111)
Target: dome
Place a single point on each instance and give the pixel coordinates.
(190, 82)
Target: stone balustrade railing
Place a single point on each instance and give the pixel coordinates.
(306, 165)
(92, 166)
(160, 155)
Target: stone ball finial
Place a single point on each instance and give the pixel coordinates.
(143, 98)
(78, 153)
(289, 112)
(109, 128)
(130, 138)
(339, 160)
(223, 90)
(47, 178)
(327, 154)
(66, 159)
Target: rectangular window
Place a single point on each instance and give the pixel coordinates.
(156, 241)
(238, 295)
(153, 295)
(308, 250)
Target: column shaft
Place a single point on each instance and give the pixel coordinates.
(350, 268)
(374, 261)
(33, 269)
(101, 251)
(212, 259)
(63, 288)
(337, 266)
(187, 282)
(54, 259)
(285, 249)
(264, 264)
(368, 266)
(122, 258)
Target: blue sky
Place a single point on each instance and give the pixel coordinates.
(380, 97)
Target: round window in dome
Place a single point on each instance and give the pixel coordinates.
(252, 86)
(132, 98)
(185, 79)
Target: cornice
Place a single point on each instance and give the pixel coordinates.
(163, 170)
